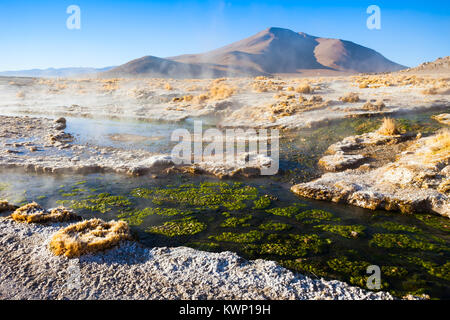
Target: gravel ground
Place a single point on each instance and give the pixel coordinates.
(29, 271)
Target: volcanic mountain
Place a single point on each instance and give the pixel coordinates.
(271, 51)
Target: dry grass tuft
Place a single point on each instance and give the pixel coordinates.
(34, 213)
(377, 106)
(351, 97)
(436, 90)
(221, 91)
(444, 186)
(440, 143)
(6, 206)
(88, 236)
(388, 127)
(304, 89)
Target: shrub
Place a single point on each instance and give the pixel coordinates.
(388, 127)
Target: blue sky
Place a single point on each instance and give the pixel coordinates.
(34, 35)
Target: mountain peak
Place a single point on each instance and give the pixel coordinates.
(277, 50)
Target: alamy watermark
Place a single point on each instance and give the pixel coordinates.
(73, 275)
(374, 20)
(229, 148)
(73, 22)
(374, 280)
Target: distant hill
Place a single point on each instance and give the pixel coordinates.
(272, 51)
(52, 72)
(159, 67)
(440, 65)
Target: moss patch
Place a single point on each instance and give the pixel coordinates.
(136, 217)
(182, 227)
(352, 231)
(401, 241)
(207, 195)
(292, 245)
(442, 224)
(103, 202)
(315, 216)
(234, 222)
(248, 237)
(274, 226)
(262, 203)
(392, 226)
(286, 211)
(303, 265)
(205, 246)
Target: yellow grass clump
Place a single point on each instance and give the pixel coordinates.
(440, 143)
(435, 90)
(444, 186)
(34, 213)
(304, 89)
(6, 206)
(88, 236)
(110, 85)
(261, 78)
(377, 106)
(388, 127)
(186, 98)
(351, 97)
(168, 86)
(221, 91)
(291, 106)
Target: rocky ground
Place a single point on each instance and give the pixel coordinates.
(130, 271)
(389, 172)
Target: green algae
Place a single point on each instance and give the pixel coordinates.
(351, 231)
(394, 271)
(416, 260)
(303, 265)
(69, 194)
(206, 195)
(439, 271)
(103, 202)
(262, 203)
(292, 245)
(436, 222)
(234, 222)
(274, 226)
(442, 271)
(315, 216)
(286, 211)
(205, 246)
(400, 241)
(182, 227)
(392, 226)
(4, 186)
(136, 217)
(344, 266)
(247, 237)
